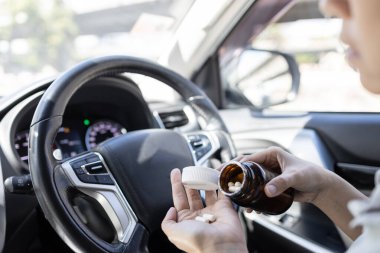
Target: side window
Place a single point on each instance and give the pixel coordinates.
(327, 83)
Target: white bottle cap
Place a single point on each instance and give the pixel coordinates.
(200, 178)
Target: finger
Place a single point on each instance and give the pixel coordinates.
(279, 184)
(178, 191)
(271, 158)
(260, 157)
(238, 158)
(221, 196)
(211, 198)
(224, 199)
(195, 201)
(169, 220)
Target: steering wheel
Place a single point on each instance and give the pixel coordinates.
(112, 198)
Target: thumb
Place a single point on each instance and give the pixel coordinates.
(278, 185)
(169, 220)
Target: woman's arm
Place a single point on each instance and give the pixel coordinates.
(333, 202)
(312, 184)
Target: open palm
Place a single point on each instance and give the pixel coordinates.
(223, 235)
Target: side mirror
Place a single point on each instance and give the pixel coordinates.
(266, 77)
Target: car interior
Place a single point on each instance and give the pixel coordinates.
(86, 154)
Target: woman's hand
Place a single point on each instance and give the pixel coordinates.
(311, 183)
(308, 179)
(223, 235)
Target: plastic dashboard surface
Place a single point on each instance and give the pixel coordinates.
(104, 108)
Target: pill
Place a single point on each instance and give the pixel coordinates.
(202, 219)
(209, 217)
(233, 189)
(231, 184)
(237, 184)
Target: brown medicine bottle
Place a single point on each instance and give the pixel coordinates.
(253, 179)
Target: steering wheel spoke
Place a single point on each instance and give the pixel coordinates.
(90, 175)
(204, 144)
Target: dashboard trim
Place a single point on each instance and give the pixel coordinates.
(3, 221)
(11, 101)
(8, 131)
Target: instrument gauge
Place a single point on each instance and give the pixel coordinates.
(101, 131)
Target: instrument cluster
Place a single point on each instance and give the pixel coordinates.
(74, 137)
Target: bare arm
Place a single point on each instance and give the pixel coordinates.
(312, 184)
(333, 202)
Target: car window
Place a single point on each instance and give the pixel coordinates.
(41, 38)
(327, 83)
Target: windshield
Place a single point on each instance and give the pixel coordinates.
(40, 38)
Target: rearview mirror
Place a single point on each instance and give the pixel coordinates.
(267, 77)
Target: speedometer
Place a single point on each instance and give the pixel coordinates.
(101, 131)
(68, 142)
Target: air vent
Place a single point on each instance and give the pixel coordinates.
(174, 119)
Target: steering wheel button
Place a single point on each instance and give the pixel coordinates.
(92, 159)
(195, 141)
(79, 171)
(95, 168)
(77, 164)
(90, 179)
(104, 179)
(194, 138)
(199, 154)
(197, 144)
(208, 147)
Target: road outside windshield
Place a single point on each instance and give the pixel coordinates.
(40, 38)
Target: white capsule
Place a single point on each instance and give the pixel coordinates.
(202, 219)
(233, 189)
(209, 217)
(230, 184)
(237, 184)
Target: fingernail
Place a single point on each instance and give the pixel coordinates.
(271, 189)
(175, 171)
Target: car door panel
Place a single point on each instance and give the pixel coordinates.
(304, 228)
(346, 144)
(354, 140)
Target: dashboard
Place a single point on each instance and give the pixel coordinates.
(102, 109)
(77, 136)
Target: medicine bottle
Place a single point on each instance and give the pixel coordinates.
(251, 179)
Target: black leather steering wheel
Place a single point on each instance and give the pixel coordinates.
(125, 180)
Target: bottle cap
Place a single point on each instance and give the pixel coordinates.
(200, 178)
